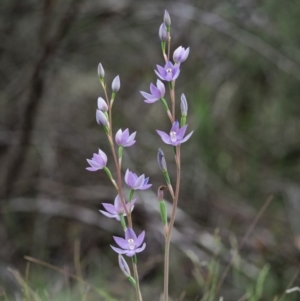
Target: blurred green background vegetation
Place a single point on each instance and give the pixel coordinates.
(242, 84)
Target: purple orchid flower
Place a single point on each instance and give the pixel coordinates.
(181, 54)
(98, 161)
(131, 244)
(176, 135)
(123, 138)
(135, 182)
(169, 72)
(114, 211)
(157, 92)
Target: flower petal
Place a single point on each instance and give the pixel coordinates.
(118, 137)
(109, 215)
(140, 239)
(121, 242)
(110, 208)
(129, 234)
(160, 76)
(119, 251)
(181, 132)
(187, 137)
(142, 248)
(130, 253)
(164, 136)
(139, 182)
(91, 168)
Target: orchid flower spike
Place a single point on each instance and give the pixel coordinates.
(131, 244)
(176, 135)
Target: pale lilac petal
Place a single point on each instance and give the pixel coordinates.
(125, 135)
(186, 54)
(164, 136)
(92, 168)
(127, 173)
(119, 137)
(130, 253)
(176, 74)
(130, 205)
(118, 204)
(140, 239)
(110, 215)
(131, 137)
(103, 155)
(161, 87)
(139, 182)
(110, 208)
(129, 234)
(175, 127)
(121, 242)
(148, 96)
(181, 132)
(154, 91)
(99, 159)
(160, 76)
(161, 70)
(187, 137)
(93, 163)
(168, 65)
(119, 251)
(146, 187)
(142, 248)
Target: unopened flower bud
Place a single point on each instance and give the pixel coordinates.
(183, 105)
(101, 118)
(101, 72)
(163, 34)
(161, 160)
(102, 105)
(124, 266)
(167, 19)
(115, 86)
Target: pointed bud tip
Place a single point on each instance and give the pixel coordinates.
(116, 84)
(163, 34)
(101, 72)
(167, 19)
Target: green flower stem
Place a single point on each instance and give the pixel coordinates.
(120, 154)
(166, 108)
(171, 225)
(136, 276)
(131, 193)
(167, 177)
(123, 222)
(163, 47)
(182, 121)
